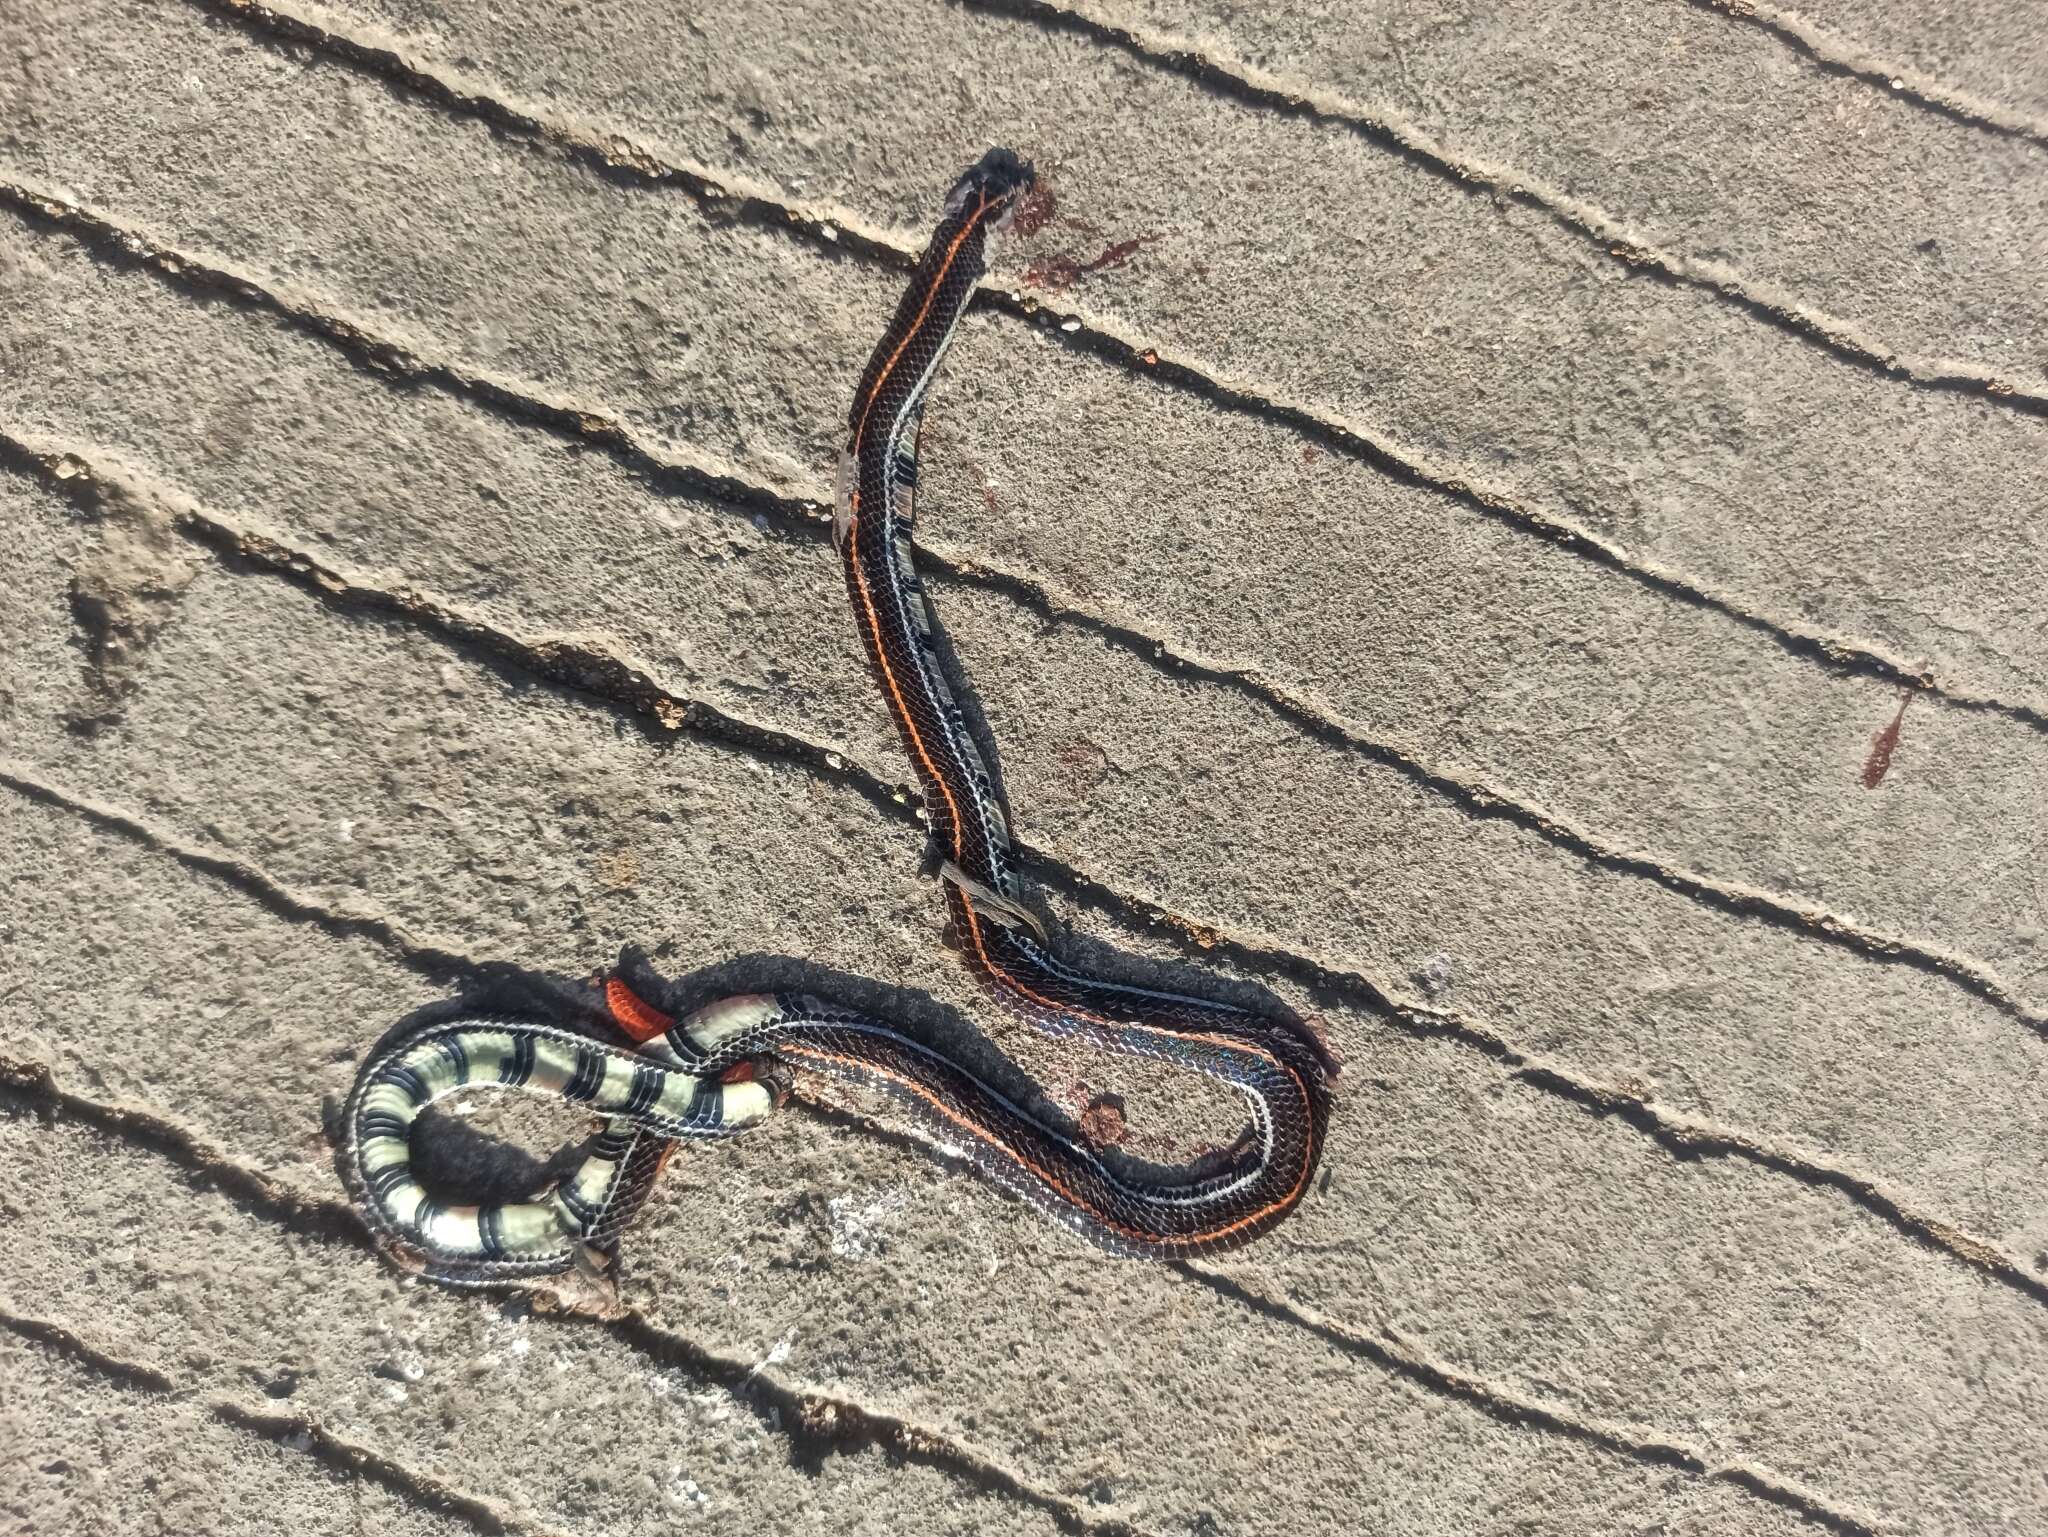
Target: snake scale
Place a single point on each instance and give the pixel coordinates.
(723, 1068)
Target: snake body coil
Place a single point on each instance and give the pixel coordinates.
(720, 1070)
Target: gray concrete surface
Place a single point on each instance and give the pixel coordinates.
(413, 558)
(1974, 51)
(225, 1473)
(1674, 126)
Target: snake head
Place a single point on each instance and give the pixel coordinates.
(1001, 177)
(776, 1073)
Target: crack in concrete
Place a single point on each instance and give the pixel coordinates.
(830, 1422)
(304, 1433)
(34, 1084)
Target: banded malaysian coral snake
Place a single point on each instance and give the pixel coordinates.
(721, 1069)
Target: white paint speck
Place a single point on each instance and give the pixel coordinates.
(777, 1354)
(684, 1491)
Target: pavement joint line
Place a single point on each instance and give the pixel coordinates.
(305, 1433)
(301, 1434)
(1838, 55)
(1402, 1359)
(842, 1424)
(590, 669)
(1683, 1137)
(125, 247)
(1500, 1403)
(614, 686)
(615, 155)
(840, 234)
(1251, 86)
(61, 1342)
(813, 1425)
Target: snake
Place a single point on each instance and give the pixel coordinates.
(722, 1069)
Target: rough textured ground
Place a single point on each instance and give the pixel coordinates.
(1519, 532)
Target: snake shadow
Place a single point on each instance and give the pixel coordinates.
(460, 1161)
